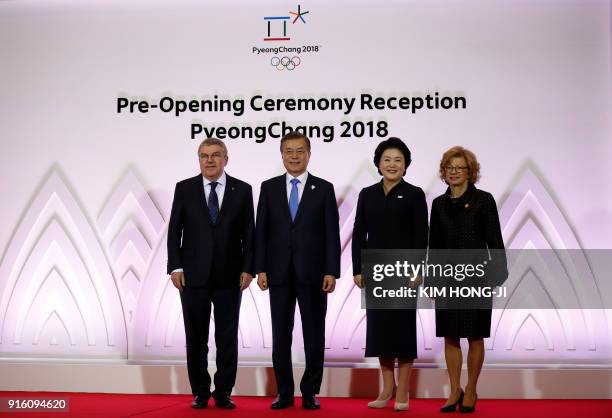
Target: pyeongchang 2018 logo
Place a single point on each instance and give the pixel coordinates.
(281, 52)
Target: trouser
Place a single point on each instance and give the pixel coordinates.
(196, 302)
(313, 307)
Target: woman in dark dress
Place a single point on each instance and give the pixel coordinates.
(391, 214)
(464, 218)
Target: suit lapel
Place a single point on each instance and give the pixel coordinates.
(199, 180)
(282, 192)
(309, 189)
(228, 196)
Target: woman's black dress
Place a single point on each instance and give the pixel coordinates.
(467, 222)
(395, 221)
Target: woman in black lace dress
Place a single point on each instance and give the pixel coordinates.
(464, 218)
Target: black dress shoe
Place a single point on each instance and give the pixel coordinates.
(282, 402)
(468, 409)
(224, 402)
(199, 402)
(310, 402)
(453, 407)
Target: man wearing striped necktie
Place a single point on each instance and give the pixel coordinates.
(210, 260)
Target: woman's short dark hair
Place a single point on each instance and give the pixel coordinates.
(392, 143)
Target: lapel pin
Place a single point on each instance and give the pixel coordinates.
(400, 197)
(467, 205)
(313, 187)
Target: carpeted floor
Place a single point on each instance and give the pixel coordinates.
(170, 406)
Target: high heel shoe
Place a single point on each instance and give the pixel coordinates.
(401, 406)
(380, 403)
(452, 407)
(468, 408)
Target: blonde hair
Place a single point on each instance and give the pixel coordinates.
(468, 156)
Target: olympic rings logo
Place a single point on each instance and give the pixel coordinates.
(285, 62)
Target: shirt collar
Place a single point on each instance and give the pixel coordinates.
(221, 180)
(302, 178)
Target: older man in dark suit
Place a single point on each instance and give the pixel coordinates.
(297, 242)
(210, 260)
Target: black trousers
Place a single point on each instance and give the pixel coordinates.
(196, 302)
(313, 307)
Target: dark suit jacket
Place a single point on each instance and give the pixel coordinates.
(311, 242)
(397, 220)
(470, 222)
(194, 242)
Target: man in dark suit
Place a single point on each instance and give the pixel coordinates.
(297, 242)
(210, 260)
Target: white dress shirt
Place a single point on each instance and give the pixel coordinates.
(300, 186)
(220, 189)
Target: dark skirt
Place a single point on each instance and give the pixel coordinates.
(463, 323)
(391, 333)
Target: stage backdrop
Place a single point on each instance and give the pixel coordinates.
(103, 104)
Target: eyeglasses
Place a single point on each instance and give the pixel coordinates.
(452, 169)
(214, 156)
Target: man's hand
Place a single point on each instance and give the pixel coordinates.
(357, 280)
(245, 280)
(329, 283)
(178, 280)
(262, 281)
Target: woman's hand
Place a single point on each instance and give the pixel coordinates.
(358, 281)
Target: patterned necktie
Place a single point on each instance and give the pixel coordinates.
(213, 202)
(294, 198)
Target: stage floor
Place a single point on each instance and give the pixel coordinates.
(170, 406)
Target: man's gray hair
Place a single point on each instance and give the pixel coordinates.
(212, 141)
